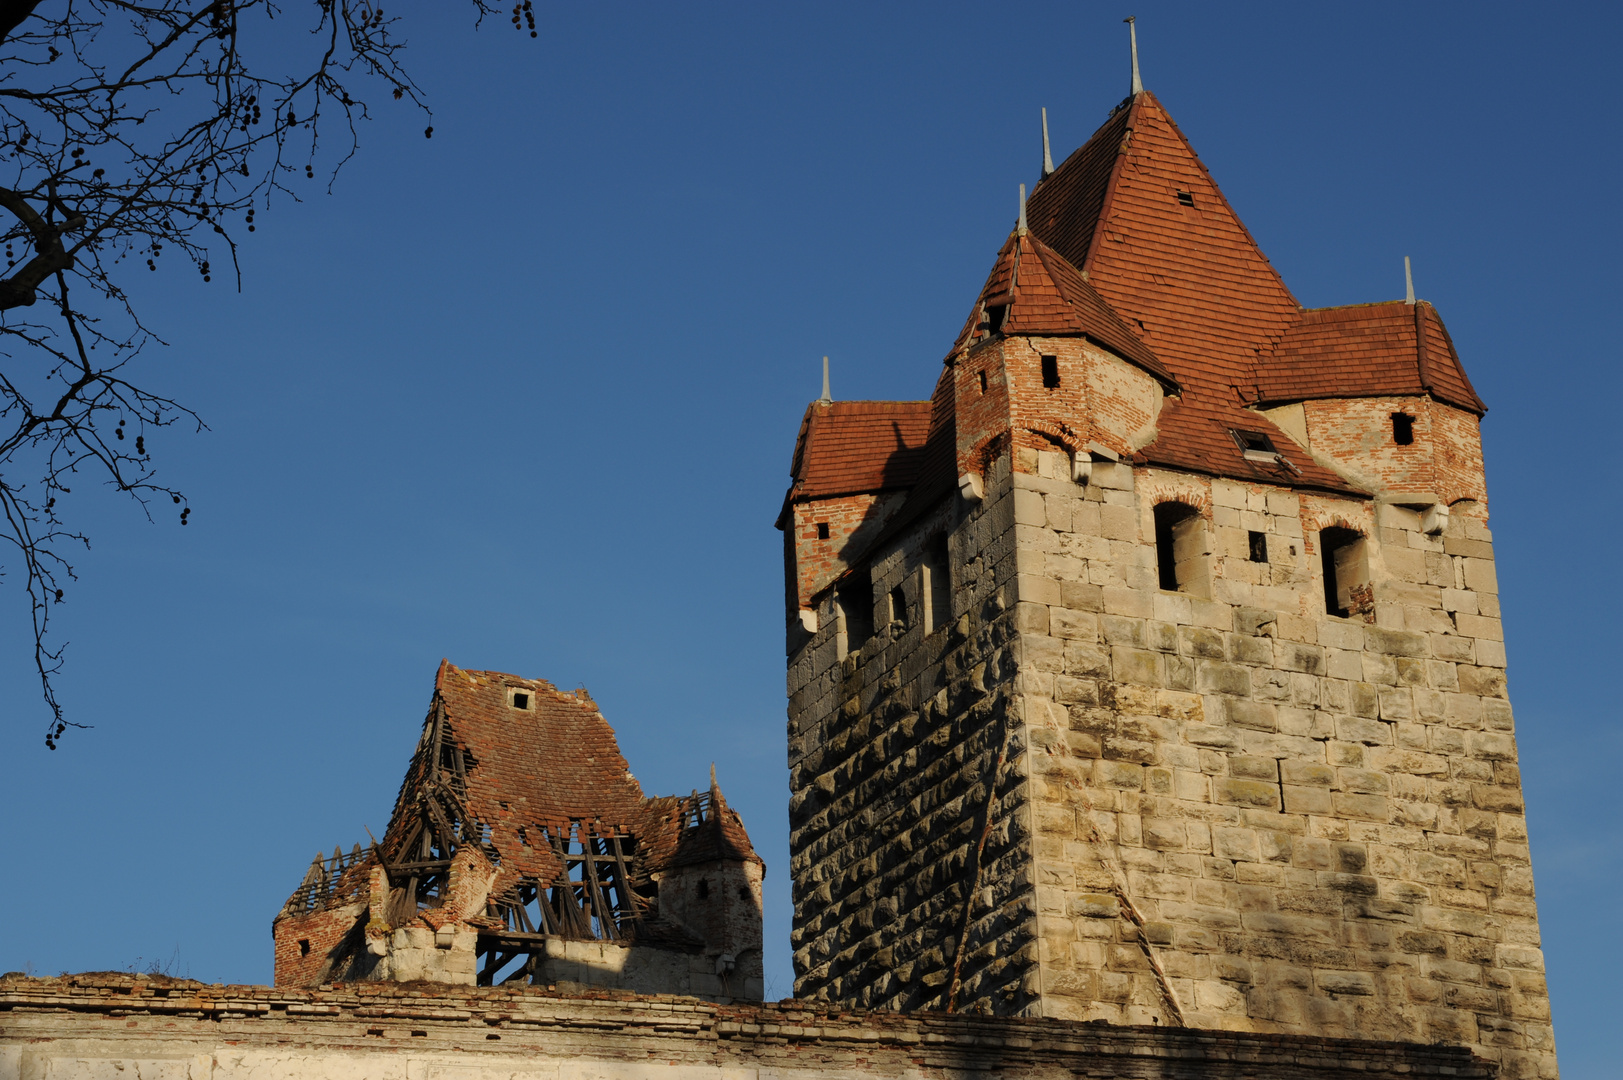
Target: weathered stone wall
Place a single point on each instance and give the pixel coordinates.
(107, 1027)
(1236, 812)
(904, 754)
(1317, 820)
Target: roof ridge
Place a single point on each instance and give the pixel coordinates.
(1244, 229)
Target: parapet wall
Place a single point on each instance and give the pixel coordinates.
(88, 1027)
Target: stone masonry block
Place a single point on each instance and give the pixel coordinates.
(1028, 508)
(1254, 793)
(1480, 576)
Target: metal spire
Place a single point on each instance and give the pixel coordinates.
(825, 398)
(1022, 226)
(1408, 282)
(1048, 159)
(1132, 34)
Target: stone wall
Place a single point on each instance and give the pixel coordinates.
(901, 758)
(1236, 812)
(119, 1026)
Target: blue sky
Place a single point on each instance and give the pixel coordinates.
(524, 395)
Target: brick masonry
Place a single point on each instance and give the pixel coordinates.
(91, 1027)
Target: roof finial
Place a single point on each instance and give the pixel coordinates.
(1132, 34)
(1408, 282)
(1022, 226)
(712, 776)
(1048, 159)
(825, 399)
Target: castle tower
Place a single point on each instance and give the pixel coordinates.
(1152, 671)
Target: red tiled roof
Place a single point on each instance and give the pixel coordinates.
(857, 446)
(1189, 279)
(1366, 350)
(1046, 296)
(535, 768)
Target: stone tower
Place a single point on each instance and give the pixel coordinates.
(1151, 671)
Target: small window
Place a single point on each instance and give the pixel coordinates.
(1187, 198)
(521, 699)
(1347, 590)
(994, 318)
(304, 946)
(898, 609)
(856, 616)
(822, 530)
(1050, 372)
(744, 893)
(937, 584)
(1180, 548)
(983, 381)
(1402, 428)
(704, 889)
(1259, 546)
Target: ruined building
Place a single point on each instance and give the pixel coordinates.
(521, 849)
(1151, 671)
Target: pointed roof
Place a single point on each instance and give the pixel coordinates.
(1139, 214)
(1367, 350)
(1045, 296)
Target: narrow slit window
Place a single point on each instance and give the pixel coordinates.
(1259, 546)
(898, 609)
(937, 584)
(1050, 372)
(856, 616)
(1186, 198)
(704, 889)
(1402, 428)
(822, 530)
(1346, 573)
(1180, 548)
(983, 381)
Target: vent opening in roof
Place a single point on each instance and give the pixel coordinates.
(1402, 428)
(1254, 445)
(1050, 372)
(1187, 198)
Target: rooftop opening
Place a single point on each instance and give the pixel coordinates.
(1254, 445)
(822, 530)
(1402, 428)
(995, 314)
(1050, 372)
(1259, 546)
(1187, 198)
(1180, 548)
(1346, 573)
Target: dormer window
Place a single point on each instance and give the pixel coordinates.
(1402, 429)
(995, 314)
(1255, 446)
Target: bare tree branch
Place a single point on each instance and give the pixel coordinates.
(129, 131)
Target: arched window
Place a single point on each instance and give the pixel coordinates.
(1181, 551)
(1346, 572)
